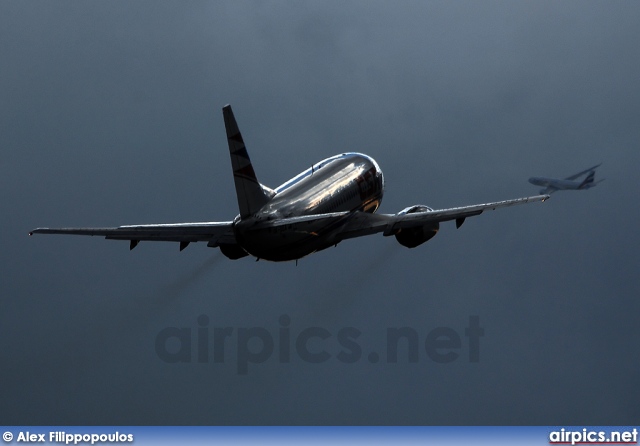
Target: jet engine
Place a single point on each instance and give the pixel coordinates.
(233, 251)
(412, 237)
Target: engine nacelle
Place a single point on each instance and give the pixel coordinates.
(233, 251)
(413, 237)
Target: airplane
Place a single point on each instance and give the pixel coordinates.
(334, 200)
(552, 185)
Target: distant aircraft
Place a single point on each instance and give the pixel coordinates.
(332, 201)
(552, 184)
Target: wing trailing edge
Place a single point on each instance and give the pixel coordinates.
(215, 233)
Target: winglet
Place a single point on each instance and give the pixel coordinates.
(252, 195)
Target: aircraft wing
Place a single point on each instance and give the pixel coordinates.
(573, 177)
(346, 224)
(364, 224)
(215, 233)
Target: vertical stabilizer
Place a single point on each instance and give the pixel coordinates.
(589, 181)
(252, 196)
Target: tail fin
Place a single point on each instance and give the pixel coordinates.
(588, 181)
(252, 195)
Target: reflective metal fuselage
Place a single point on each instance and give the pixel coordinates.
(347, 182)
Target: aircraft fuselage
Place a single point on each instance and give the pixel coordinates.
(346, 182)
(557, 184)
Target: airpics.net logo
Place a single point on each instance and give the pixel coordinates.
(590, 436)
(250, 346)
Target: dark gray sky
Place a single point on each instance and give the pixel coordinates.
(110, 113)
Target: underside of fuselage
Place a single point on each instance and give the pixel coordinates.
(289, 245)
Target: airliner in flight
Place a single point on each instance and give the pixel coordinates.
(552, 185)
(332, 201)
